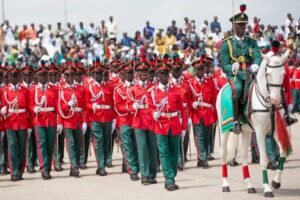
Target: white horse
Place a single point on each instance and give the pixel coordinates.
(265, 96)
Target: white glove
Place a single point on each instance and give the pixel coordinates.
(156, 115)
(84, 128)
(113, 125)
(254, 68)
(94, 106)
(2, 135)
(183, 134)
(29, 131)
(37, 109)
(59, 128)
(135, 106)
(71, 103)
(290, 107)
(190, 122)
(195, 104)
(4, 110)
(235, 68)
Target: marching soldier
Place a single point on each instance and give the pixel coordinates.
(142, 124)
(58, 153)
(43, 103)
(125, 121)
(71, 104)
(15, 110)
(239, 55)
(166, 107)
(100, 106)
(203, 117)
(28, 82)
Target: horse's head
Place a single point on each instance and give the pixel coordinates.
(275, 72)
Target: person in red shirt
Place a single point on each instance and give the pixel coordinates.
(165, 104)
(296, 93)
(100, 106)
(43, 103)
(15, 109)
(142, 124)
(125, 121)
(202, 105)
(71, 107)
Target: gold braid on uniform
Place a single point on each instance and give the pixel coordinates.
(240, 59)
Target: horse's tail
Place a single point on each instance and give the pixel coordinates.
(283, 135)
(232, 146)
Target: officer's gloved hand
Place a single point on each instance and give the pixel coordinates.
(43, 99)
(37, 109)
(183, 134)
(190, 122)
(135, 106)
(59, 128)
(94, 106)
(235, 68)
(71, 103)
(180, 120)
(4, 110)
(29, 131)
(195, 104)
(254, 68)
(84, 128)
(113, 125)
(290, 107)
(156, 115)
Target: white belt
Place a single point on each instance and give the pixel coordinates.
(103, 107)
(17, 110)
(143, 106)
(298, 80)
(77, 109)
(203, 104)
(48, 109)
(170, 114)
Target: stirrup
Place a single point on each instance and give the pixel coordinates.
(237, 127)
(290, 120)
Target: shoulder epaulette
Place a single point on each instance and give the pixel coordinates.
(251, 38)
(225, 39)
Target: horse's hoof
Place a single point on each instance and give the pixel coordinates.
(275, 185)
(251, 191)
(269, 194)
(226, 189)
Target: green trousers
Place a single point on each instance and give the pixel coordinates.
(45, 137)
(130, 149)
(238, 85)
(59, 148)
(147, 152)
(73, 141)
(296, 100)
(31, 149)
(271, 148)
(3, 152)
(168, 147)
(201, 134)
(17, 151)
(101, 137)
(85, 147)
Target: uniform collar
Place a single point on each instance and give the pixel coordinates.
(142, 82)
(128, 84)
(14, 86)
(26, 84)
(39, 85)
(238, 38)
(162, 87)
(174, 80)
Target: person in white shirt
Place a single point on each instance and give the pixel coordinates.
(112, 29)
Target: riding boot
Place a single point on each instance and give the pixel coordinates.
(236, 126)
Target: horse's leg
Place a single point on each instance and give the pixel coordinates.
(246, 138)
(276, 183)
(224, 140)
(263, 163)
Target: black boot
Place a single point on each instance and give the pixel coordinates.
(236, 125)
(290, 120)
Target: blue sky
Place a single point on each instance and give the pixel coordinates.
(132, 14)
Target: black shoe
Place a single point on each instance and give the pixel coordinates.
(203, 163)
(20, 177)
(30, 169)
(109, 165)
(46, 176)
(290, 120)
(15, 178)
(210, 157)
(58, 168)
(254, 161)
(180, 167)
(233, 163)
(134, 177)
(152, 180)
(83, 166)
(4, 171)
(237, 127)
(74, 172)
(101, 172)
(124, 168)
(176, 187)
(272, 165)
(170, 187)
(145, 180)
